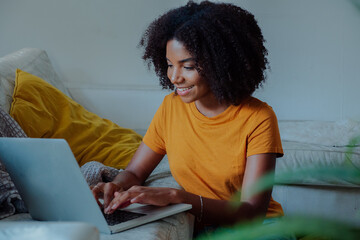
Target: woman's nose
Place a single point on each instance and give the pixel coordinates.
(175, 76)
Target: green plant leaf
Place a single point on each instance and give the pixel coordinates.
(315, 228)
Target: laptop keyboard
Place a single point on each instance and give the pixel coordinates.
(120, 216)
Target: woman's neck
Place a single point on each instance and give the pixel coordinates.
(211, 107)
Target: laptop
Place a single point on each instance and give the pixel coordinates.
(50, 182)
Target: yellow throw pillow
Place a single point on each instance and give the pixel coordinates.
(45, 112)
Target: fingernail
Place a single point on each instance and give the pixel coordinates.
(113, 206)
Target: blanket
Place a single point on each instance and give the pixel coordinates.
(95, 172)
(10, 200)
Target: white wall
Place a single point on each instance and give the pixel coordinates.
(314, 47)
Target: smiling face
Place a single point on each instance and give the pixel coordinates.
(190, 86)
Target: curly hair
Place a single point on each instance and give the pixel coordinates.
(225, 41)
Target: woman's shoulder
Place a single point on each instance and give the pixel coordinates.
(254, 103)
(255, 107)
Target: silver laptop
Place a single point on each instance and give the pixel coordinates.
(53, 188)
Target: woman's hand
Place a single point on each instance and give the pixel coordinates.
(105, 191)
(144, 195)
(142, 164)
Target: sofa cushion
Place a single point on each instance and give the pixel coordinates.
(300, 157)
(319, 146)
(34, 61)
(325, 133)
(45, 112)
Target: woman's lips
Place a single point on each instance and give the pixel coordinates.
(183, 91)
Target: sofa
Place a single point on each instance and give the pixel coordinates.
(307, 145)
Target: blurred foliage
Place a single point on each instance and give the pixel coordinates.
(309, 227)
(356, 3)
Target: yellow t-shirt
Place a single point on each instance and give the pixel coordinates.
(207, 156)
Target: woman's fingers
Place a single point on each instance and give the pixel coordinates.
(105, 191)
(109, 189)
(121, 200)
(140, 194)
(97, 193)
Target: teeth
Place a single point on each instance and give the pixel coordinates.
(184, 89)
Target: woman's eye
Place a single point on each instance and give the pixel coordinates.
(189, 68)
(170, 66)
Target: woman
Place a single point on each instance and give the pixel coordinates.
(219, 139)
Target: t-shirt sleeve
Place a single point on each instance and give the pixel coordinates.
(265, 135)
(155, 135)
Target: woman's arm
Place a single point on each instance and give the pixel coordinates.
(140, 167)
(222, 212)
(212, 211)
